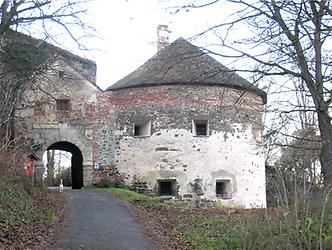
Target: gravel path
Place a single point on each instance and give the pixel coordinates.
(97, 222)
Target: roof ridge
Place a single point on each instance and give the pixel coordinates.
(51, 50)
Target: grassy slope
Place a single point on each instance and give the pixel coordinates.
(239, 228)
(25, 219)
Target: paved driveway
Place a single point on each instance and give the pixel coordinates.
(97, 222)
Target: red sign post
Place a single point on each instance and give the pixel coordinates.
(29, 167)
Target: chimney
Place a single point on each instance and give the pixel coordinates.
(163, 38)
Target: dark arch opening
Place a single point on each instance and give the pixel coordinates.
(76, 161)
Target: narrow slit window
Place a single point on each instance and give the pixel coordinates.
(62, 105)
(200, 128)
(224, 189)
(138, 130)
(61, 74)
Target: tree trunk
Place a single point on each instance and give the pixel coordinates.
(50, 167)
(326, 149)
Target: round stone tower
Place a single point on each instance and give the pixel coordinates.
(185, 125)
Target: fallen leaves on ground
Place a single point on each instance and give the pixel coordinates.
(27, 221)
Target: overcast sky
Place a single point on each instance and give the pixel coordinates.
(128, 29)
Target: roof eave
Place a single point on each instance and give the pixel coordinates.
(255, 90)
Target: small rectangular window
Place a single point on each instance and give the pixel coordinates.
(62, 105)
(142, 129)
(200, 128)
(61, 74)
(166, 187)
(138, 130)
(224, 189)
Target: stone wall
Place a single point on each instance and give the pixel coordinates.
(39, 122)
(231, 152)
(104, 132)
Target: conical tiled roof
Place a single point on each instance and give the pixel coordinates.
(183, 63)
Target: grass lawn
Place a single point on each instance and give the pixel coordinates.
(128, 195)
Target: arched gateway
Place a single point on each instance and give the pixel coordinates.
(76, 161)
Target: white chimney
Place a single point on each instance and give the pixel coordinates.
(163, 38)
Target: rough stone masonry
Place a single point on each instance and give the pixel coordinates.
(179, 121)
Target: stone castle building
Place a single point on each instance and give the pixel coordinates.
(179, 119)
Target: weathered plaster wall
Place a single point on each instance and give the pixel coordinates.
(232, 150)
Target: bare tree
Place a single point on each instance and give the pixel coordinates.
(21, 60)
(289, 39)
(294, 176)
(51, 17)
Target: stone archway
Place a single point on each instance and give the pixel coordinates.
(76, 161)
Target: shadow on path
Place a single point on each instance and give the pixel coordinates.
(97, 222)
